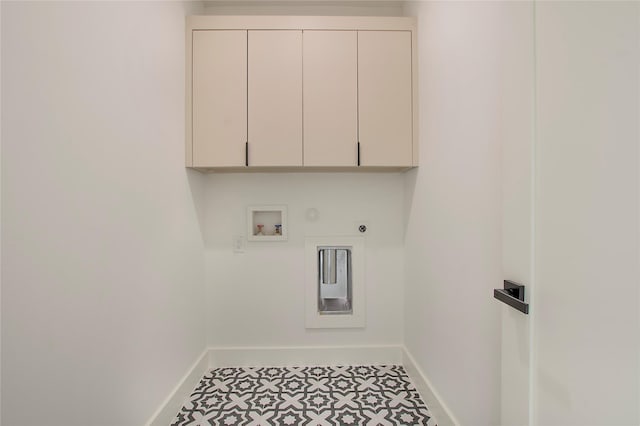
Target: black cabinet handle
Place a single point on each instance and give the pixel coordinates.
(246, 153)
(512, 295)
(358, 153)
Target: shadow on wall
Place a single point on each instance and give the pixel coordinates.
(196, 181)
(410, 179)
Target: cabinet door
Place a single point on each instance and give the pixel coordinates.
(330, 98)
(219, 98)
(275, 98)
(385, 103)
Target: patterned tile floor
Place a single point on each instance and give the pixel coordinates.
(323, 396)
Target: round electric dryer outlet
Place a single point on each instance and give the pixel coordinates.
(362, 227)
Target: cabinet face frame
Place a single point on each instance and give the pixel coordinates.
(346, 23)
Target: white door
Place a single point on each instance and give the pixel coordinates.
(586, 300)
(517, 207)
(330, 98)
(275, 98)
(571, 216)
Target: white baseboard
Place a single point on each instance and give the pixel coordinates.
(169, 408)
(305, 355)
(434, 401)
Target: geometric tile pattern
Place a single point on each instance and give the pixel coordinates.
(327, 396)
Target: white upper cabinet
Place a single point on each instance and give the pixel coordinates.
(330, 98)
(275, 98)
(219, 98)
(281, 93)
(385, 98)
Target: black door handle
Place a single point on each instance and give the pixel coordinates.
(512, 295)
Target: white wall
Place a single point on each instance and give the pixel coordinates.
(454, 207)
(102, 254)
(257, 298)
(587, 227)
(305, 7)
